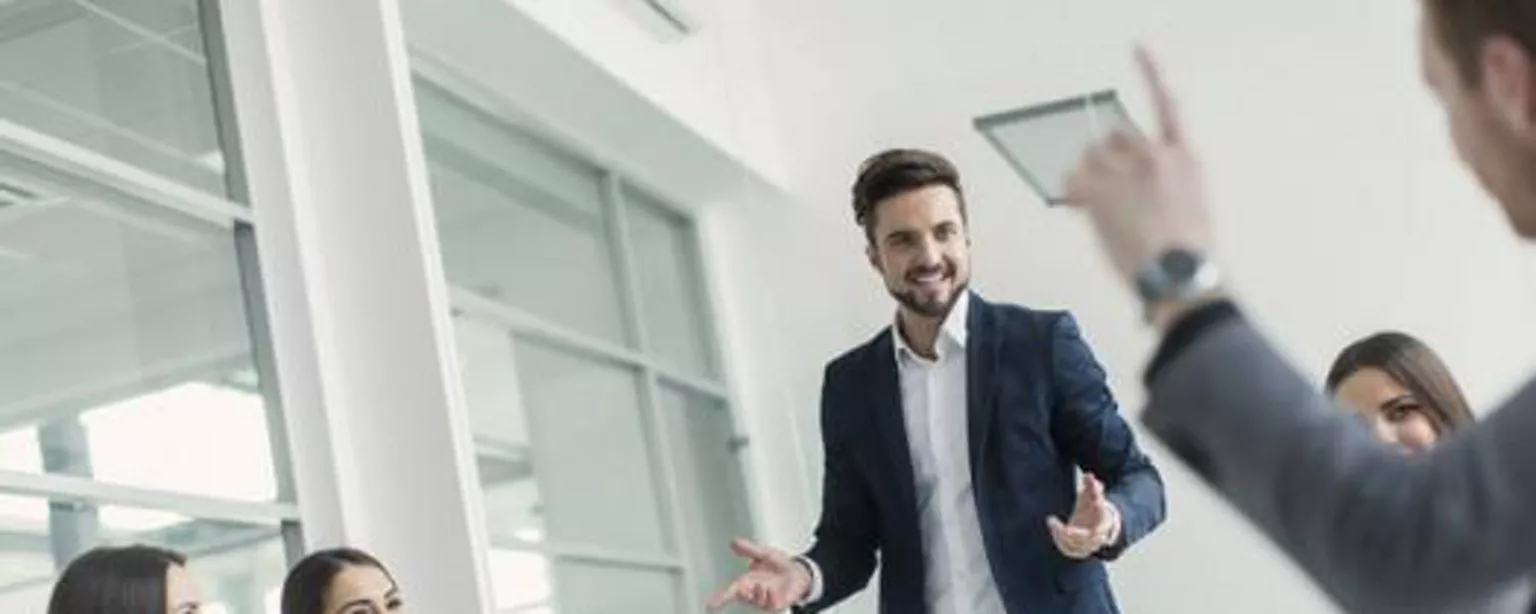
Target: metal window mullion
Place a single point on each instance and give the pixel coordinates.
(694, 385)
(547, 201)
(693, 253)
(650, 401)
(73, 527)
(265, 363)
(147, 187)
(594, 554)
(524, 324)
(624, 261)
(84, 490)
(226, 122)
(149, 377)
(740, 440)
(698, 267)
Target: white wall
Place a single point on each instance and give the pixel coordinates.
(710, 79)
(1340, 209)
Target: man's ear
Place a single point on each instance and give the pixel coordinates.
(1509, 84)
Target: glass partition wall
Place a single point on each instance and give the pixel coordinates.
(607, 450)
(132, 406)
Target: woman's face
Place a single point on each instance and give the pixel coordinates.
(1392, 411)
(363, 589)
(181, 594)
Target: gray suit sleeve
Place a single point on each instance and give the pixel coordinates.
(1379, 531)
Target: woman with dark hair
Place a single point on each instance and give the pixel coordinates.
(1401, 388)
(340, 581)
(127, 580)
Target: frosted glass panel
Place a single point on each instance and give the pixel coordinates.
(590, 451)
(128, 79)
(587, 588)
(123, 328)
(710, 475)
(519, 222)
(670, 285)
(1043, 142)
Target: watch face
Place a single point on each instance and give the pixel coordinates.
(1180, 266)
(1175, 273)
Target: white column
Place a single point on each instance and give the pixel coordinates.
(355, 291)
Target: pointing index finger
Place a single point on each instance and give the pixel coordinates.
(1171, 127)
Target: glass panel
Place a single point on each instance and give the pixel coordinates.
(500, 426)
(590, 451)
(129, 442)
(670, 285)
(123, 329)
(126, 78)
(528, 583)
(710, 477)
(590, 588)
(520, 223)
(243, 577)
(236, 565)
(522, 582)
(538, 414)
(1044, 142)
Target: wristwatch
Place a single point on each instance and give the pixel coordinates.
(1177, 274)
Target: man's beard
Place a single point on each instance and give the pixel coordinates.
(935, 308)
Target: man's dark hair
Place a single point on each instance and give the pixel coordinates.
(897, 171)
(1462, 26)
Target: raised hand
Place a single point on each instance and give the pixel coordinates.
(773, 582)
(1095, 523)
(1145, 194)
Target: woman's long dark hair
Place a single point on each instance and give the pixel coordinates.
(126, 580)
(1413, 365)
(304, 589)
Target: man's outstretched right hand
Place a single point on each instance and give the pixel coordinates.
(773, 582)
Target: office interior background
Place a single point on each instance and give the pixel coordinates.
(532, 297)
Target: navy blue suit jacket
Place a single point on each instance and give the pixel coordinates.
(1037, 407)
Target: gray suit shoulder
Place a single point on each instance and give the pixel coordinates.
(1379, 532)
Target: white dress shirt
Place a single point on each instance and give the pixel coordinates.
(933, 402)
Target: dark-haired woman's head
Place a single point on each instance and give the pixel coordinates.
(341, 581)
(1400, 387)
(126, 580)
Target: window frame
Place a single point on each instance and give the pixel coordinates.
(653, 370)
